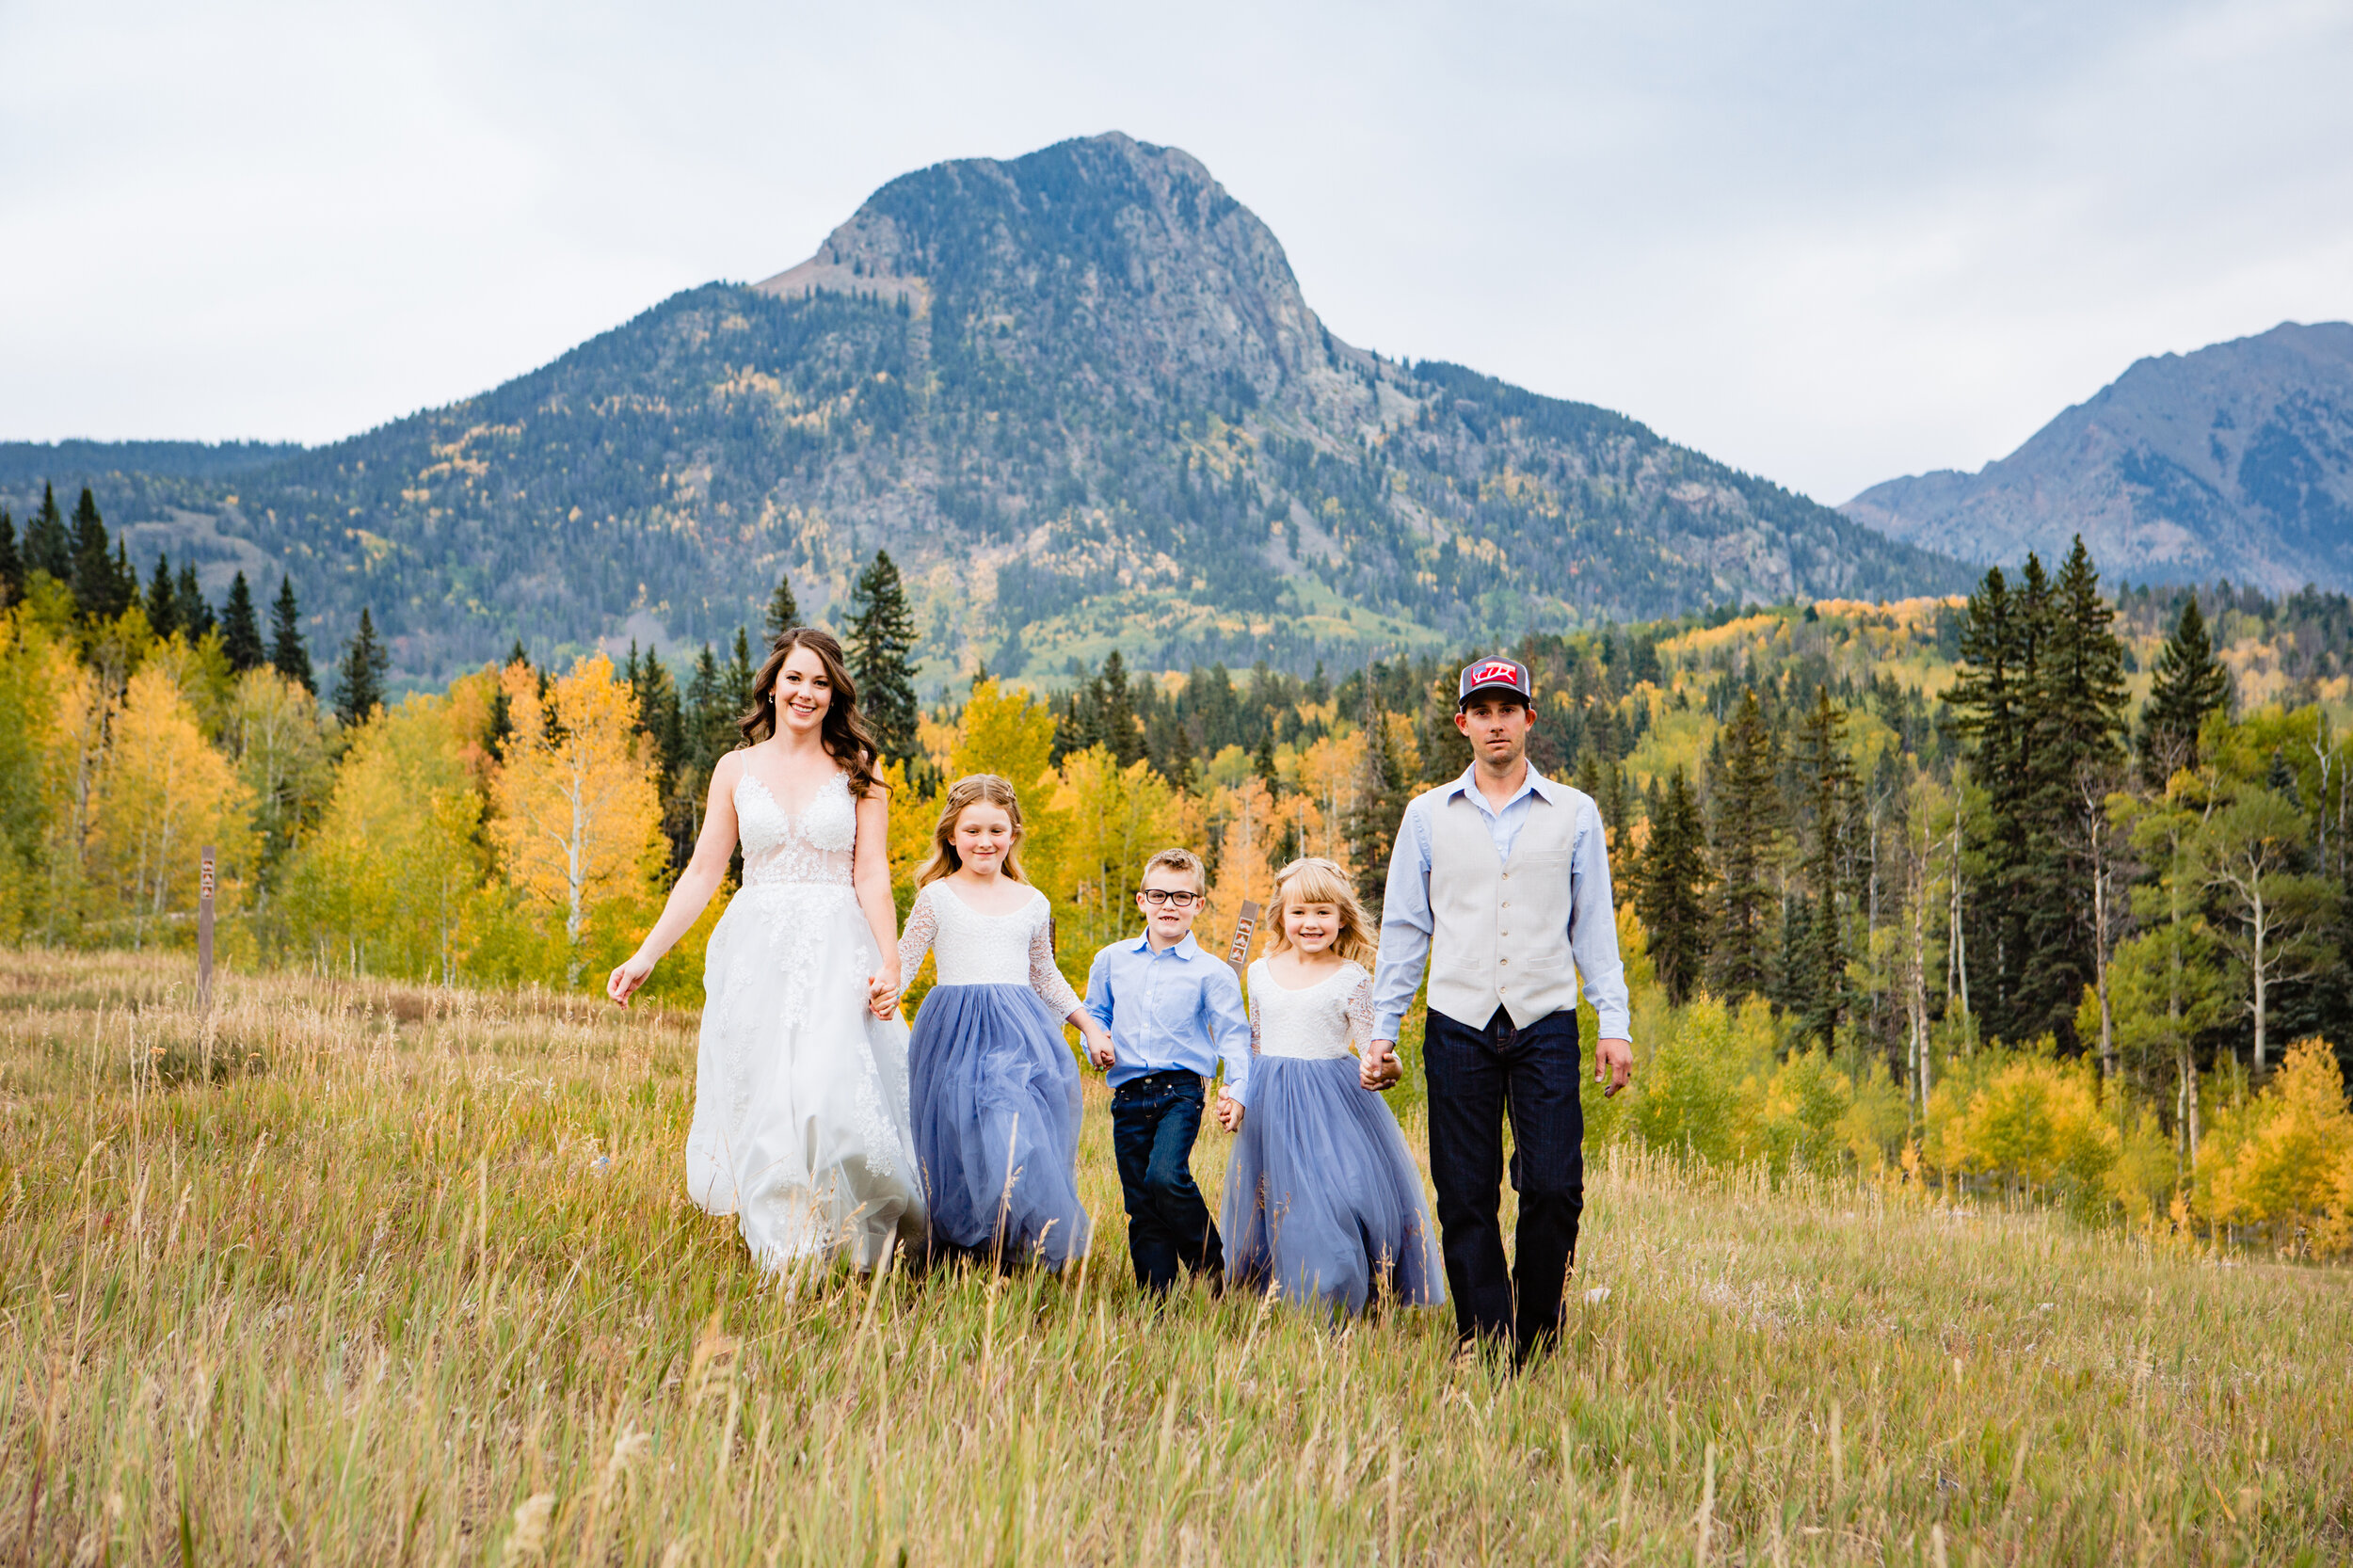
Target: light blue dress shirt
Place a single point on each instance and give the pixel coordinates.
(1592, 917)
(1175, 1009)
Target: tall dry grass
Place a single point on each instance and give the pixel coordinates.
(386, 1274)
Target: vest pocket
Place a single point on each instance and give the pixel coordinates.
(1540, 860)
(1545, 962)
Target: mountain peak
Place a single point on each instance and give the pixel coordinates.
(2235, 460)
(1080, 397)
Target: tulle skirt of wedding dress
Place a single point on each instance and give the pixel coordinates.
(800, 1126)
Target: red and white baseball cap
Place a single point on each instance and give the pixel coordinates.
(1495, 676)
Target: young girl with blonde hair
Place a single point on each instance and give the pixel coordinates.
(1323, 1198)
(995, 1090)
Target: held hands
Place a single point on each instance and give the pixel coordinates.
(1379, 1068)
(1100, 1048)
(1613, 1062)
(627, 976)
(882, 989)
(1229, 1110)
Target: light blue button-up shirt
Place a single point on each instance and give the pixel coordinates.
(1170, 1009)
(1592, 918)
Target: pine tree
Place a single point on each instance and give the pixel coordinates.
(1820, 982)
(12, 564)
(240, 630)
(188, 606)
(288, 653)
(163, 601)
(2189, 683)
(100, 591)
(1746, 832)
(1116, 712)
(784, 611)
(1372, 826)
(881, 642)
(1999, 691)
(741, 673)
(47, 546)
(1446, 754)
(1672, 898)
(1263, 763)
(359, 679)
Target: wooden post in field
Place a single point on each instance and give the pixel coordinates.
(204, 930)
(1245, 925)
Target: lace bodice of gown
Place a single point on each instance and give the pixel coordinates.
(781, 850)
(1320, 1020)
(1013, 949)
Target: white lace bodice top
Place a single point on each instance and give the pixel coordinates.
(782, 850)
(1013, 949)
(1323, 1019)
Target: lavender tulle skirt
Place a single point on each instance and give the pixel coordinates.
(995, 1096)
(1322, 1199)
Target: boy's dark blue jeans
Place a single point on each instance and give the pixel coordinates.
(1155, 1119)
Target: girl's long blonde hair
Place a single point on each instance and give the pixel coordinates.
(1316, 880)
(972, 791)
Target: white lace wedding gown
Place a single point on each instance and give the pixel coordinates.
(800, 1123)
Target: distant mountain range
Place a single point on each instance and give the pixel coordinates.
(2235, 461)
(1079, 398)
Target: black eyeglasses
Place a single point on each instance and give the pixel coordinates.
(1182, 900)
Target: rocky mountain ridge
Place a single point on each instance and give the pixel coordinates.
(2234, 461)
(1079, 397)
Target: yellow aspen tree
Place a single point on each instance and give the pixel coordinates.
(579, 821)
(1107, 821)
(274, 733)
(391, 873)
(163, 793)
(1253, 827)
(1006, 732)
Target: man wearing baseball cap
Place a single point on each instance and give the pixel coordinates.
(1500, 880)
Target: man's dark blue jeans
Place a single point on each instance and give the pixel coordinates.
(1476, 1077)
(1155, 1119)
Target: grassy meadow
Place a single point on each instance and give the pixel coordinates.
(384, 1273)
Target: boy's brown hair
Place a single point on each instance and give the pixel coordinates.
(1179, 860)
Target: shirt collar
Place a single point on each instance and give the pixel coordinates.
(1535, 784)
(1187, 949)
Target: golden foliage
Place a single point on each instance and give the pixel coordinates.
(163, 795)
(579, 821)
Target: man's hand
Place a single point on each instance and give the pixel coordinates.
(1100, 1048)
(1230, 1111)
(1380, 1068)
(1613, 1061)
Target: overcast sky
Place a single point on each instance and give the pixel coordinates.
(1827, 242)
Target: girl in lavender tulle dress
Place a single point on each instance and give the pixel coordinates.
(995, 1089)
(1323, 1201)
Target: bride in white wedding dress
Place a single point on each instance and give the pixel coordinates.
(800, 1125)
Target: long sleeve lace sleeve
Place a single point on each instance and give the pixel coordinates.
(922, 930)
(1045, 977)
(1359, 1010)
(1254, 982)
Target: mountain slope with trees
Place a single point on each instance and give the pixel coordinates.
(1079, 399)
(2234, 461)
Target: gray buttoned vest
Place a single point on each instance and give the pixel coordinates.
(1499, 934)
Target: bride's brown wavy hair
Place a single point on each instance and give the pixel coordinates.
(972, 791)
(843, 730)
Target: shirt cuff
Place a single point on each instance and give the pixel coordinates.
(1612, 1026)
(1386, 1026)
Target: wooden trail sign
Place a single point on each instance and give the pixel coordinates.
(204, 930)
(1245, 926)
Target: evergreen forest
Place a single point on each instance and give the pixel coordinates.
(2046, 886)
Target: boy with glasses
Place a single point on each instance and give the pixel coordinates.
(1171, 1010)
